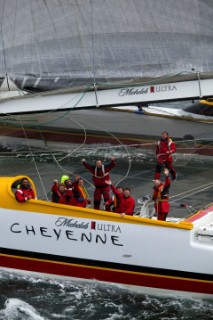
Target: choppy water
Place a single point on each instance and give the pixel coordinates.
(30, 298)
(24, 297)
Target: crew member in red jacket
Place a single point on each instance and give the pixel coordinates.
(116, 200)
(164, 150)
(68, 184)
(80, 194)
(60, 194)
(24, 192)
(128, 203)
(161, 196)
(100, 173)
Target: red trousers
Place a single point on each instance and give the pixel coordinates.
(98, 193)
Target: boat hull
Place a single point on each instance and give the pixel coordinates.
(86, 127)
(61, 240)
(139, 281)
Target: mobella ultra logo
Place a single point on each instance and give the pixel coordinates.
(133, 91)
(106, 227)
(71, 223)
(146, 90)
(163, 88)
(92, 225)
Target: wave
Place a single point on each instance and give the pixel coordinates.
(27, 297)
(16, 309)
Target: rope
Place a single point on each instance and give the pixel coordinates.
(34, 161)
(83, 143)
(184, 192)
(3, 45)
(121, 145)
(93, 56)
(68, 171)
(193, 193)
(125, 147)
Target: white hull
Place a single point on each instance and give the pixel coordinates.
(61, 240)
(176, 113)
(167, 113)
(66, 99)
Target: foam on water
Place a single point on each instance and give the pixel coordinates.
(24, 297)
(16, 309)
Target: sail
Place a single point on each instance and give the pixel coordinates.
(49, 44)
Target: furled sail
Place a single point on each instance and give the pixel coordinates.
(49, 44)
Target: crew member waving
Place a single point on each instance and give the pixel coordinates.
(161, 196)
(100, 173)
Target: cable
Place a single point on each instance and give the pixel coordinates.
(93, 56)
(193, 193)
(34, 162)
(79, 147)
(129, 166)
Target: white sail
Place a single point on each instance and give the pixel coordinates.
(54, 44)
(9, 89)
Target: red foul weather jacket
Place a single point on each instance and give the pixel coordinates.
(164, 150)
(58, 197)
(161, 197)
(23, 194)
(117, 200)
(128, 205)
(100, 175)
(80, 196)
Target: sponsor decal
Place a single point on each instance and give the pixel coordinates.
(71, 223)
(152, 89)
(163, 88)
(93, 225)
(132, 91)
(104, 227)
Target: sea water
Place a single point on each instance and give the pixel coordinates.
(25, 297)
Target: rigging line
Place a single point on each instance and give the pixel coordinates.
(129, 145)
(54, 111)
(3, 46)
(190, 190)
(83, 92)
(200, 148)
(60, 46)
(192, 193)
(79, 147)
(34, 161)
(37, 43)
(207, 145)
(149, 82)
(68, 171)
(199, 191)
(127, 151)
(57, 162)
(93, 56)
(207, 186)
(83, 143)
(125, 147)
